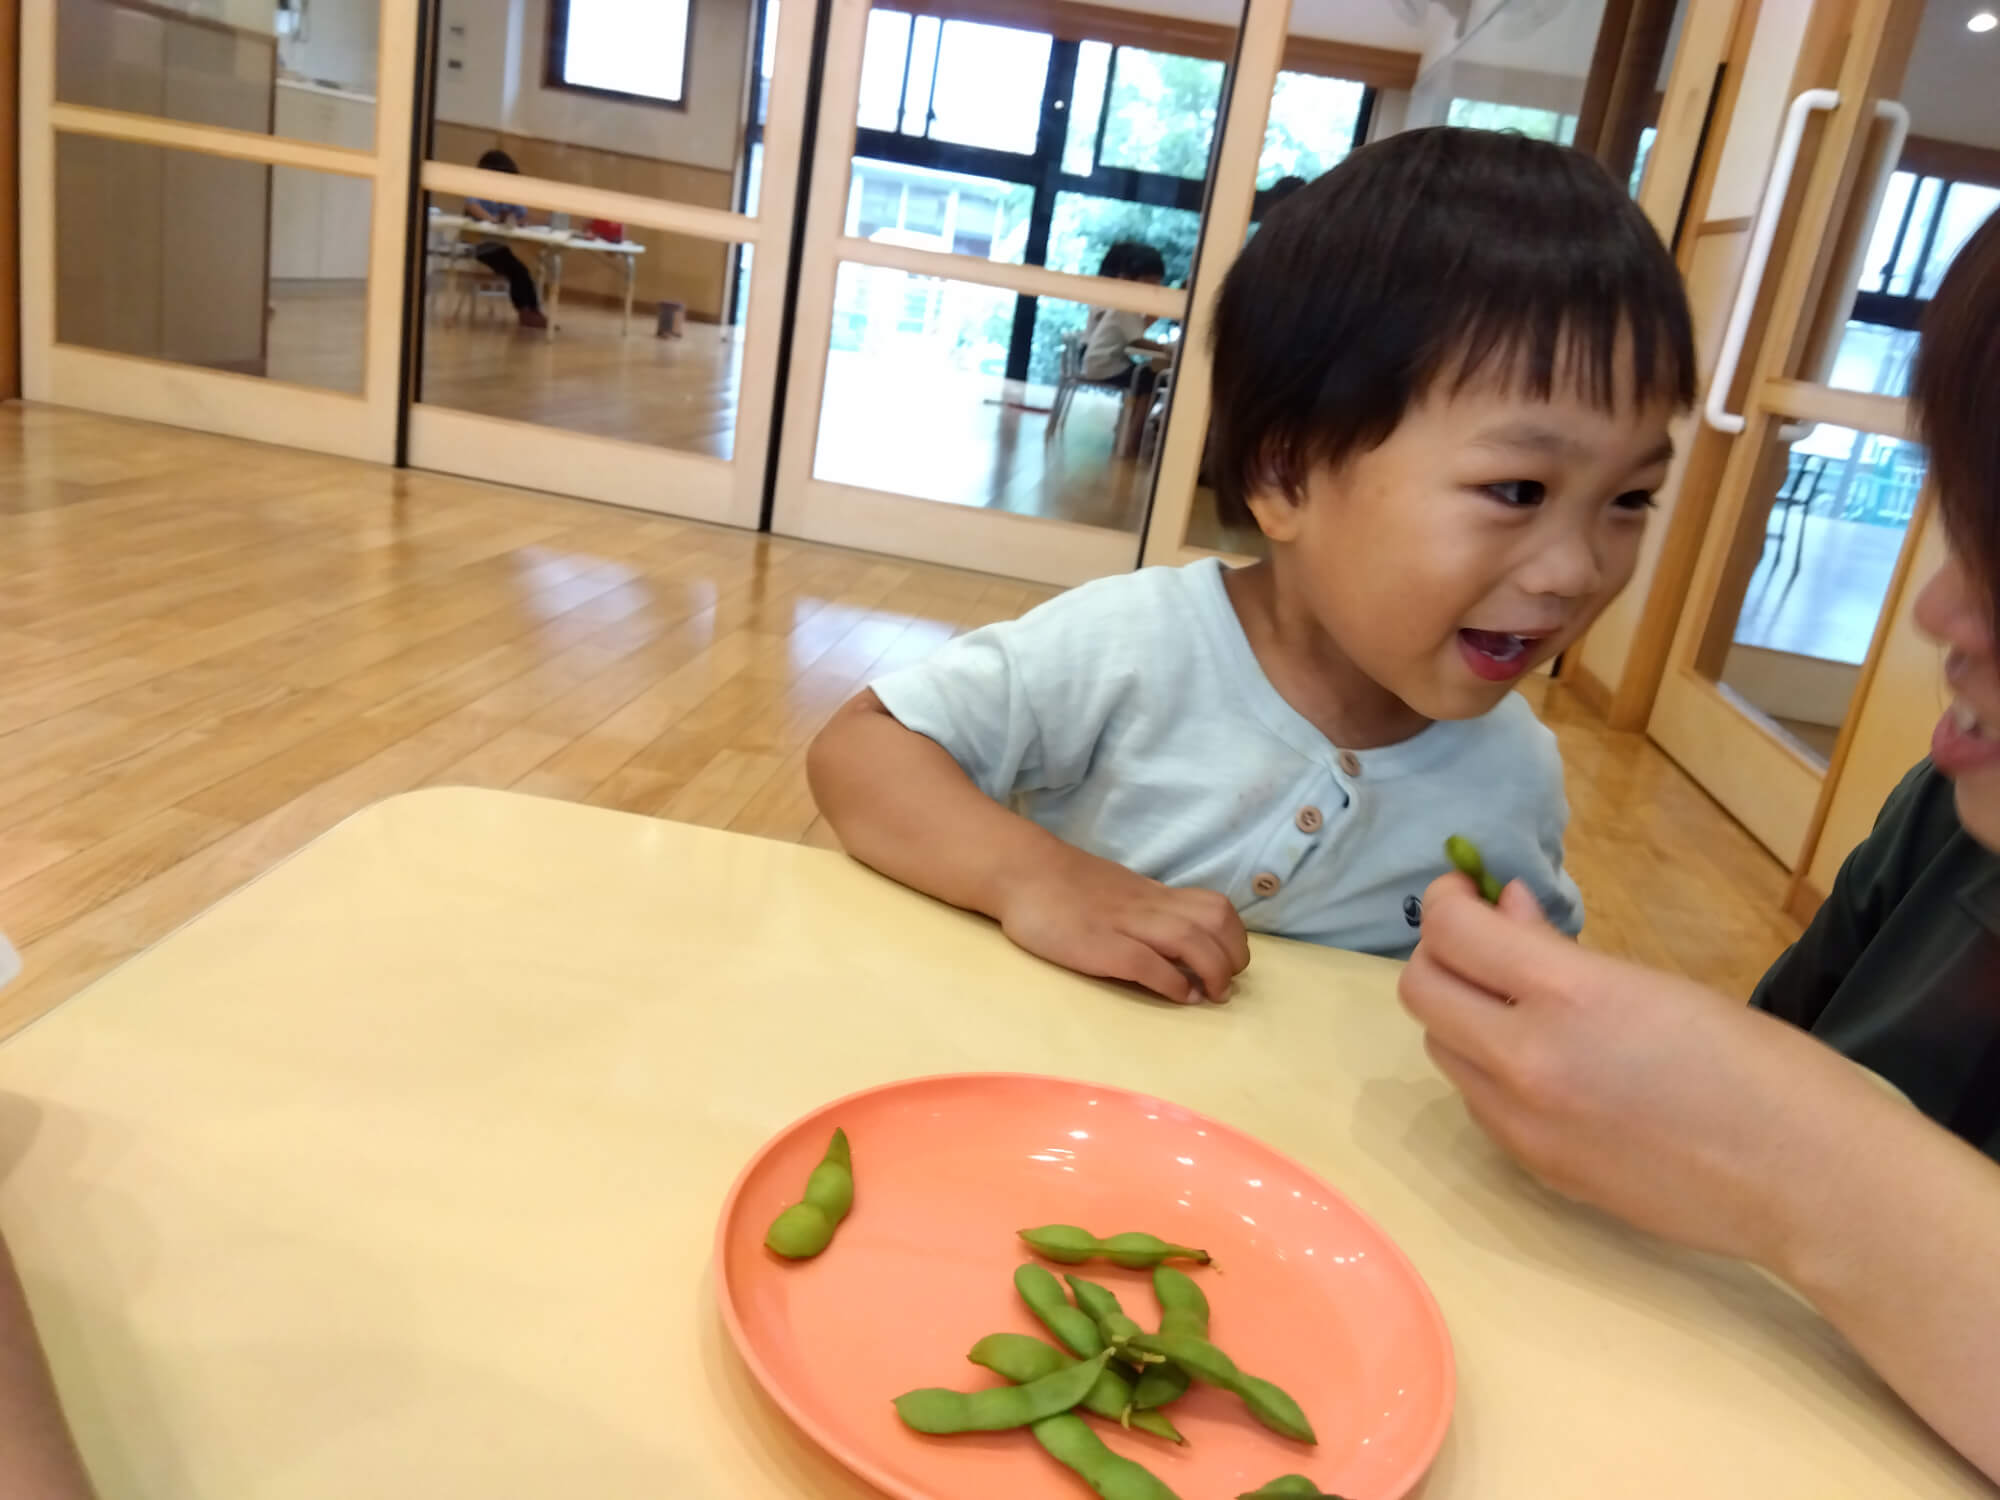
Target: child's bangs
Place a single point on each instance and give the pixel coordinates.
(1605, 350)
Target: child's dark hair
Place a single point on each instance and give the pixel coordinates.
(1132, 260)
(497, 160)
(1954, 387)
(1430, 256)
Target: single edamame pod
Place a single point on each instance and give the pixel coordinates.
(1462, 852)
(1046, 1299)
(1070, 1246)
(1183, 1312)
(1296, 1485)
(1069, 1441)
(1101, 1304)
(943, 1413)
(1208, 1364)
(806, 1228)
(1020, 1358)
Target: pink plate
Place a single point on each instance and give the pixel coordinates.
(1305, 1290)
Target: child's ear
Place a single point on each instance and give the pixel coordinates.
(1278, 513)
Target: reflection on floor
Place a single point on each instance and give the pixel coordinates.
(212, 651)
(975, 440)
(1829, 610)
(675, 393)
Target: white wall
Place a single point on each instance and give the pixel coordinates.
(1952, 78)
(499, 48)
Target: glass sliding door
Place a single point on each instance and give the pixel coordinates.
(602, 268)
(212, 214)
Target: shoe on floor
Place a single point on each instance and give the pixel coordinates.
(532, 317)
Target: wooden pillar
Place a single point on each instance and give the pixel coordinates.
(10, 199)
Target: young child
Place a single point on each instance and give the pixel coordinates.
(1443, 377)
(1108, 334)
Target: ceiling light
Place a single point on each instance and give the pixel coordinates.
(1984, 20)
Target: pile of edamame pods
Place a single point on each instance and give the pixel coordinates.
(1108, 1365)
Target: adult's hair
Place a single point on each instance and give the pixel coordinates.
(497, 160)
(1434, 256)
(1956, 387)
(1132, 260)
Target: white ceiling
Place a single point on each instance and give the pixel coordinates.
(1952, 87)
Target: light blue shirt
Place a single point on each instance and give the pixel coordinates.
(1130, 718)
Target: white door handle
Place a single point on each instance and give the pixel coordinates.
(1763, 231)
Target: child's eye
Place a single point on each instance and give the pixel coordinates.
(1521, 493)
(1635, 500)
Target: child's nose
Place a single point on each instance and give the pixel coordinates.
(1568, 567)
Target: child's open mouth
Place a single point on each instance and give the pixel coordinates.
(1496, 655)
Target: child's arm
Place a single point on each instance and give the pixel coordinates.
(903, 806)
(37, 1459)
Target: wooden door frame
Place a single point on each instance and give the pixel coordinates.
(10, 199)
(1765, 780)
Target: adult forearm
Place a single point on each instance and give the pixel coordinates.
(1897, 1247)
(903, 806)
(37, 1459)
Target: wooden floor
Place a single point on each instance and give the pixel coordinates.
(886, 423)
(212, 651)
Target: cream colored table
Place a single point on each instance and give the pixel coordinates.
(396, 1175)
(549, 244)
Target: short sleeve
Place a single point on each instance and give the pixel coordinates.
(1019, 705)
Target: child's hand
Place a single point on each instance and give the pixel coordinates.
(1099, 918)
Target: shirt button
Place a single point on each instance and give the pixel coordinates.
(1266, 885)
(1350, 763)
(1309, 820)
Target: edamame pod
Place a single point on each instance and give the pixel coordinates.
(1101, 1304)
(1208, 1364)
(1070, 1246)
(806, 1228)
(1183, 1311)
(943, 1413)
(1462, 852)
(1290, 1485)
(1069, 1441)
(1046, 1299)
(1020, 1358)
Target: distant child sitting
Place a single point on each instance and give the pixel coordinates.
(495, 256)
(1110, 336)
(1443, 378)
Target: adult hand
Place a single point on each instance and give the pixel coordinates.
(1671, 1106)
(1099, 918)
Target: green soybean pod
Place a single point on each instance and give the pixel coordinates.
(1047, 1300)
(943, 1413)
(1208, 1364)
(1463, 853)
(1289, 1485)
(1069, 1441)
(1101, 1303)
(1068, 1245)
(806, 1227)
(1020, 1358)
(1183, 1312)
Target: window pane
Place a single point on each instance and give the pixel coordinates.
(258, 70)
(1486, 114)
(990, 81)
(1086, 107)
(1311, 126)
(1900, 280)
(1966, 207)
(205, 261)
(668, 378)
(922, 75)
(917, 403)
(1161, 112)
(928, 210)
(627, 48)
(882, 63)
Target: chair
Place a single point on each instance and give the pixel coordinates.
(1156, 417)
(466, 281)
(1794, 498)
(1069, 375)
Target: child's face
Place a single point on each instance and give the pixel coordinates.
(1476, 542)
